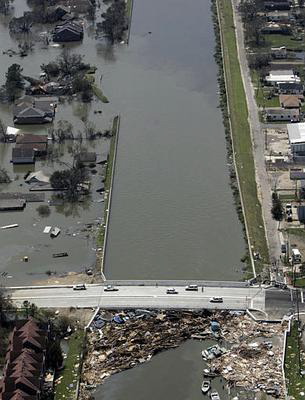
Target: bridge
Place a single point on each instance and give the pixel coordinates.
(152, 295)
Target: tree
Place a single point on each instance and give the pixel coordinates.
(14, 81)
(69, 180)
(54, 357)
(51, 69)
(71, 63)
(43, 210)
(277, 207)
(4, 6)
(115, 22)
(4, 176)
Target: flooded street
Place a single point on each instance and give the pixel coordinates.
(172, 212)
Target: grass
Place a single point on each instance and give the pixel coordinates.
(99, 94)
(262, 92)
(241, 133)
(300, 282)
(287, 197)
(295, 382)
(71, 373)
(296, 232)
(129, 8)
(274, 40)
(108, 177)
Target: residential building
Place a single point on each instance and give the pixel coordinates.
(39, 143)
(291, 100)
(291, 88)
(279, 52)
(34, 110)
(282, 76)
(23, 156)
(296, 135)
(281, 114)
(277, 4)
(276, 27)
(68, 32)
(85, 157)
(24, 362)
(279, 16)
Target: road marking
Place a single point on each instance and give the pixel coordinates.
(82, 297)
(302, 296)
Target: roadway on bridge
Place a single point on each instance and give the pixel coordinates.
(140, 296)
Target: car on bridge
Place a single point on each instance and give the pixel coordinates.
(192, 287)
(79, 286)
(171, 291)
(216, 300)
(110, 288)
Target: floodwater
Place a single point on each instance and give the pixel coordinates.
(174, 374)
(172, 213)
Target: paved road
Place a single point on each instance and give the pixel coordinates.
(142, 296)
(258, 141)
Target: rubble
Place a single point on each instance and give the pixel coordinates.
(122, 340)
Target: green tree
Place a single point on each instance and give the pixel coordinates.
(14, 81)
(277, 210)
(54, 357)
(115, 22)
(69, 180)
(4, 6)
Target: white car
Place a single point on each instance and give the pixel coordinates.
(216, 300)
(193, 288)
(171, 291)
(110, 288)
(79, 286)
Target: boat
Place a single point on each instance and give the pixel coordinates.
(57, 255)
(205, 387)
(213, 352)
(55, 232)
(210, 373)
(214, 396)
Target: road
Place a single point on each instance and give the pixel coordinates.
(258, 142)
(142, 296)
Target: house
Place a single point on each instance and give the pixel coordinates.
(37, 177)
(22, 155)
(291, 100)
(68, 32)
(56, 13)
(279, 52)
(276, 27)
(85, 157)
(291, 88)
(34, 110)
(297, 175)
(24, 362)
(280, 114)
(277, 4)
(282, 76)
(296, 135)
(279, 16)
(38, 143)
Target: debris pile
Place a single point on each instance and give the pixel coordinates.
(119, 341)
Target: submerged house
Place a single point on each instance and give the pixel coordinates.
(34, 110)
(68, 32)
(28, 147)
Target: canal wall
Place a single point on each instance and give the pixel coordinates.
(109, 199)
(230, 141)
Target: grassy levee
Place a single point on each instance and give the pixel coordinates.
(240, 131)
(67, 385)
(295, 382)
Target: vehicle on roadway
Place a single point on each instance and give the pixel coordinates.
(79, 286)
(110, 288)
(216, 300)
(171, 291)
(192, 287)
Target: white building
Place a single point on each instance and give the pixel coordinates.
(282, 76)
(296, 135)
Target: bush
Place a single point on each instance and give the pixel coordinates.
(43, 210)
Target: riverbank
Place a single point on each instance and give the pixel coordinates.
(102, 234)
(241, 137)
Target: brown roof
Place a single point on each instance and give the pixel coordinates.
(290, 100)
(29, 138)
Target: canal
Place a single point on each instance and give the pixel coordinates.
(172, 213)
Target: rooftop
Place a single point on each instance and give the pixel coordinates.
(296, 132)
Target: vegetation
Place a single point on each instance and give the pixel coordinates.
(65, 389)
(54, 357)
(277, 210)
(4, 176)
(43, 210)
(70, 181)
(115, 22)
(4, 6)
(241, 132)
(66, 64)
(14, 81)
(295, 382)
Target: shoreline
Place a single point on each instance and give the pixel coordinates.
(236, 116)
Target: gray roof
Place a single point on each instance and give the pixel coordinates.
(282, 111)
(297, 175)
(21, 152)
(296, 133)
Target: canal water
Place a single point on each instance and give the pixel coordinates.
(172, 213)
